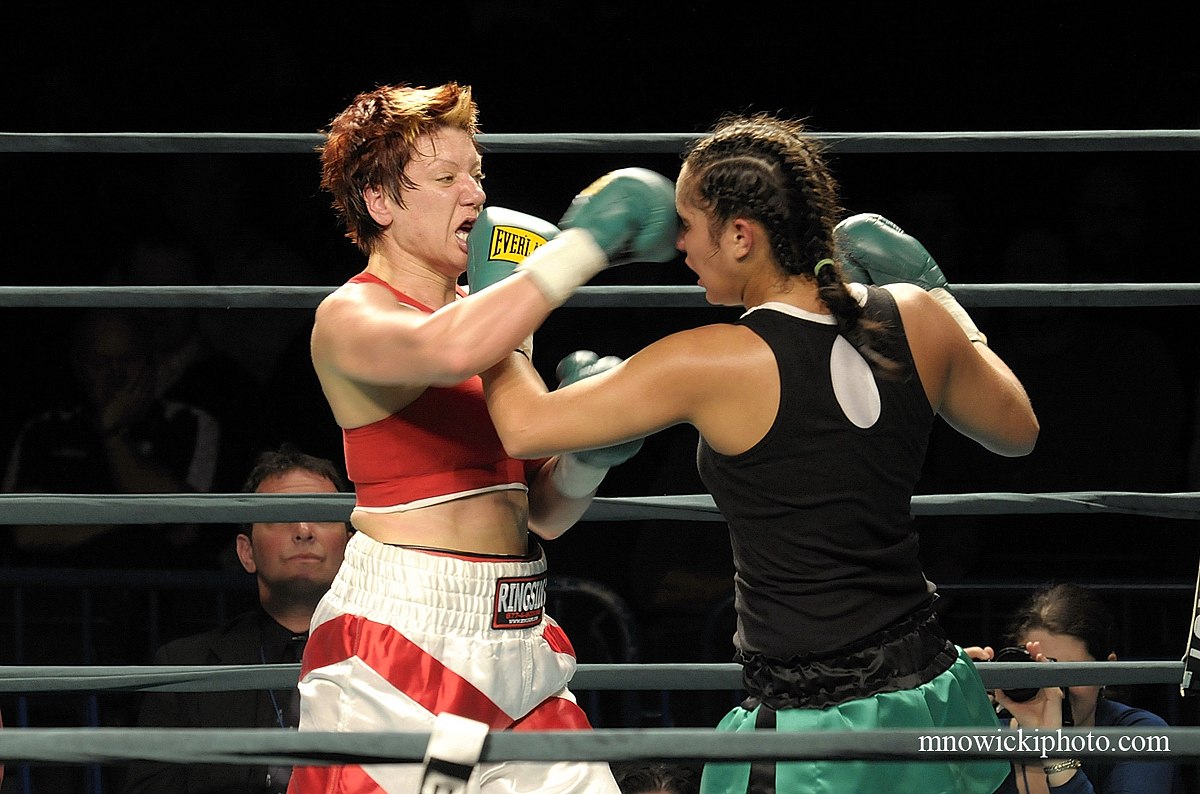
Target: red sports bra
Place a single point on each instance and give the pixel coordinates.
(442, 446)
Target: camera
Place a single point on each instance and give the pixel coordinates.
(1013, 654)
(1020, 695)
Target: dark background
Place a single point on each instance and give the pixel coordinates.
(1114, 388)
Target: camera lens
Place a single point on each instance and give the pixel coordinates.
(1016, 655)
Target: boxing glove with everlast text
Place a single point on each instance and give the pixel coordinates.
(499, 241)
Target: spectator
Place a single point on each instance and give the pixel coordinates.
(655, 778)
(190, 367)
(294, 564)
(1066, 623)
(118, 437)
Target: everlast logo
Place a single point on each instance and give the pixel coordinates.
(512, 244)
(519, 602)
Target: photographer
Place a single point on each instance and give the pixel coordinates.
(1066, 623)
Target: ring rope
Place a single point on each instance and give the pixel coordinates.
(1159, 140)
(311, 748)
(229, 580)
(217, 508)
(622, 296)
(607, 677)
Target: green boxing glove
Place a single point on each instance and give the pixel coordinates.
(873, 250)
(578, 474)
(627, 215)
(631, 214)
(499, 241)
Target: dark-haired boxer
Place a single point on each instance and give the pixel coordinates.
(814, 411)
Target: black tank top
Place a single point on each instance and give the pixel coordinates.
(819, 510)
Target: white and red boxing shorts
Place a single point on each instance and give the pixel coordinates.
(403, 635)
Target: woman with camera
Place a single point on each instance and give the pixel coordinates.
(1066, 623)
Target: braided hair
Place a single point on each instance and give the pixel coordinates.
(769, 170)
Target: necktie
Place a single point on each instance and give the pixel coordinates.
(289, 712)
(293, 652)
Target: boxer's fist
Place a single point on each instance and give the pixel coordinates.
(499, 241)
(584, 364)
(578, 365)
(578, 474)
(625, 216)
(873, 250)
(631, 214)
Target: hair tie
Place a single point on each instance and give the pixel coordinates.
(820, 265)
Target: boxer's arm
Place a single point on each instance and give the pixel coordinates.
(362, 331)
(669, 382)
(579, 474)
(551, 513)
(361, 334)
(985, 400)
(968, 384)
(566, 483)
(977, 394)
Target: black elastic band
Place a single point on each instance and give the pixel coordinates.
(762, 773)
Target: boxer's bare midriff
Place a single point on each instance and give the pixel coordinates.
(490, 523)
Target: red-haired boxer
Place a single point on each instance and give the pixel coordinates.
(439, 605)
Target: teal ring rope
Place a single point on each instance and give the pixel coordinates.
(601, 677)
(619, 297)
(273, 746)
(246, 508)
(1157, 140)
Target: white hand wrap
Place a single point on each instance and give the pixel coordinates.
(574, 478)
(454, 748)
(948, 301)
(564, 264)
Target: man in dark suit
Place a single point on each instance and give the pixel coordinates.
(294, 564)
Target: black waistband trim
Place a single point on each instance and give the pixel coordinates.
(534, 553)
(910, 652)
